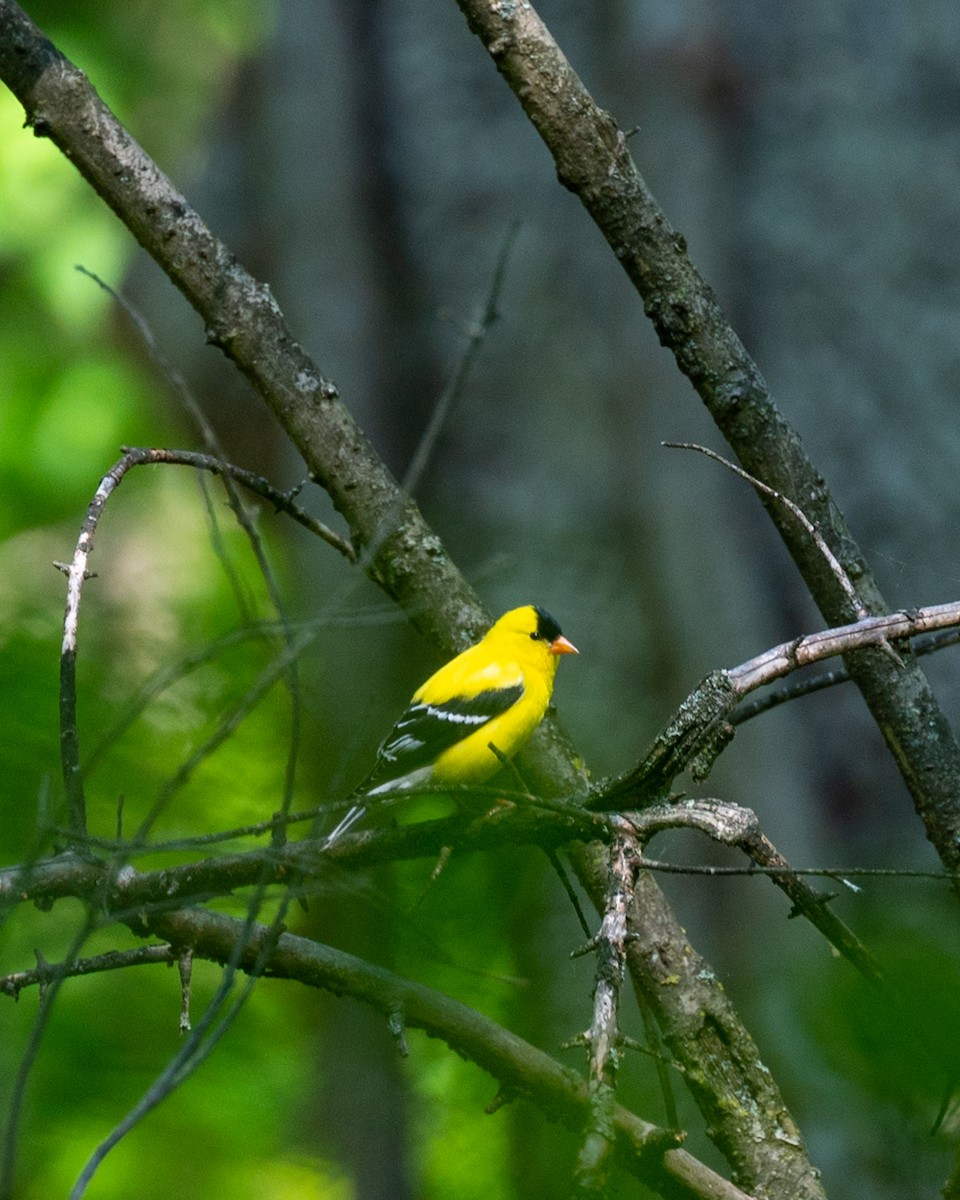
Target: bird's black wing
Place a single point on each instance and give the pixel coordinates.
(425, 730)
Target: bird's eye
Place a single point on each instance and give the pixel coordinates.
(535, 636)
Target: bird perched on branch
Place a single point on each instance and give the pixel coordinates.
(496, 693)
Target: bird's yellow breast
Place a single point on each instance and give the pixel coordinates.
(487, 667)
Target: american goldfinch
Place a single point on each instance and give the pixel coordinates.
(496, 692)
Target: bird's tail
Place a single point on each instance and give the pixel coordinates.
(350, 819)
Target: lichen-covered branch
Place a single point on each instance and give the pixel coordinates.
(721, 1064)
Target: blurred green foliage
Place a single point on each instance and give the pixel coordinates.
(70, 390)
(75, 386)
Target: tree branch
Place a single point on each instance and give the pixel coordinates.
(603, 1038)
(721, 1063)
(733, 825)
(77, 573)
(132, 892)
(841, 576)
(521, 1068)
(699, 730)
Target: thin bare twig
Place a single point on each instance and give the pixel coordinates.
(114, 960)
(173, 672)
(225, 728)
(281, 501)
(734, 825)
(50, 990)
(212, 1026)
(476, 336)
(841, 576)
(78, 572)
(754, 870)
(813, 647)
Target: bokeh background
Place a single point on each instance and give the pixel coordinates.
(363, 157)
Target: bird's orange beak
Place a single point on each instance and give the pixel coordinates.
(560, 645)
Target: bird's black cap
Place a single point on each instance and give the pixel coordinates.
(547, 627)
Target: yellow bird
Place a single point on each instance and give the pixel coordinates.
(496, 692)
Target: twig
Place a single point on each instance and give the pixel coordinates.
(198, 841)
(476, 335)
(77, 572)
(813, 906)
(185, 967)
(173, 672)
(841, 576)
(840, 874)
(281, 501)
(588, 824)
(553, 858)
(50, 990)
(733, 825)
(225, 728)
(813, 647)
(212, 1026)
(114, 960)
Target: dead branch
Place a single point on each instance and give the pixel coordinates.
(603, 1037)
(78, 573)
(114, 960)
(841, 576)
(700, 729)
